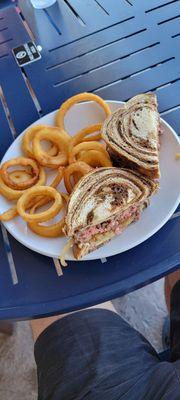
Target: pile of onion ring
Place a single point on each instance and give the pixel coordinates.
(23, 180)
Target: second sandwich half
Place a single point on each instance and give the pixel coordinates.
(103, 204)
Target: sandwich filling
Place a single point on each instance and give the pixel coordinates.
(103, 204)
(116, 224)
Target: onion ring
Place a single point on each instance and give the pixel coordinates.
(85, 146)
(76, 177)
(58, 138)
(53, 230)
(29, 136)
(76, 99)
(44, 200)
(58, 177)
(77, 138)
(30, 194)
(20, 161)
(95, 159)
(12, 194)
(9, 214)
(19, 175)
(12, 212)
(79, 167)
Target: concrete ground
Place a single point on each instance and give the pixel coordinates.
(145, 309)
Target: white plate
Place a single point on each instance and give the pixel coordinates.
(162, 206)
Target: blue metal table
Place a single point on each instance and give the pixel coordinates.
(116, 49)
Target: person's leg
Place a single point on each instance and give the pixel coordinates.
(173, 303)
(170, 281)
(167, 291)
(91, 354)
(39, 325)
(95, 354)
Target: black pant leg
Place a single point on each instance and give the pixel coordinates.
(175, 322)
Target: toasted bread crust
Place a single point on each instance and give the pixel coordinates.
(83, 251)
(91, 189)
(120, 161)
(132, 135)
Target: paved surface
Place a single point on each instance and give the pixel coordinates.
(145, 309)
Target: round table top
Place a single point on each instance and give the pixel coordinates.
(115, 50)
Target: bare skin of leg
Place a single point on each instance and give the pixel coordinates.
(170, 281)
(39, 325)
(6, 327)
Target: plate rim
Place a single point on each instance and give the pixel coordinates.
(128, 247)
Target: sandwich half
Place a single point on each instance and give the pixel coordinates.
(132, 135)
(103, 204)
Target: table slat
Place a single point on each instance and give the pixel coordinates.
(173, 118)
(116, 50)
(6, 283)
(144, 82)
(5, 131)
(86, 283)
(21, 105)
